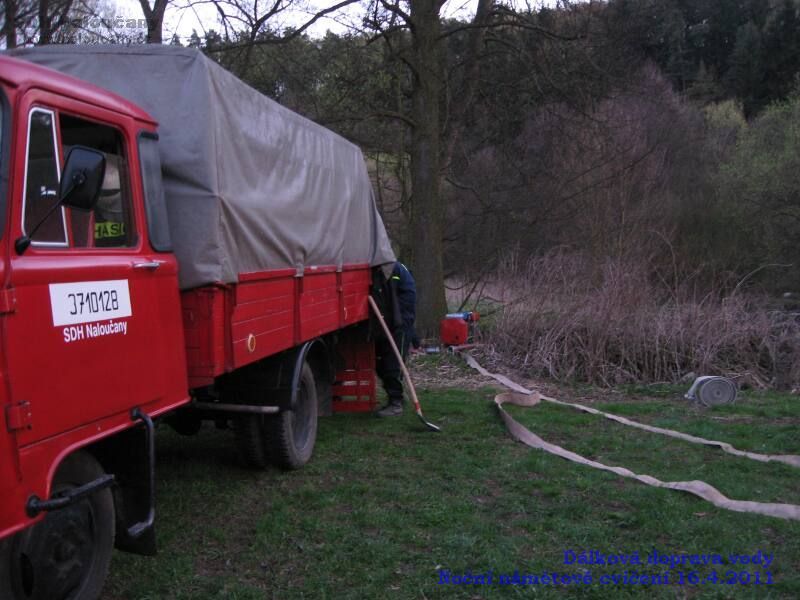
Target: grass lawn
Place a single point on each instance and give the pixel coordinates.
(386, 508)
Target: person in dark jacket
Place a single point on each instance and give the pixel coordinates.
(402, 304)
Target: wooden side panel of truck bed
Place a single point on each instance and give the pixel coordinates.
(229, 326)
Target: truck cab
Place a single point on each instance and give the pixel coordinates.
(91, 337)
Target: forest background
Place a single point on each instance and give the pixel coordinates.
(616, 183)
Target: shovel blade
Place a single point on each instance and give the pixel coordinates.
(428, 424)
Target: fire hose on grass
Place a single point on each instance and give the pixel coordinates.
(406, 376)
(528, 398)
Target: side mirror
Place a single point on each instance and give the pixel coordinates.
(80, 187)
(82, 179)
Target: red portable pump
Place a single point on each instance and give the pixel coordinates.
(456, 328)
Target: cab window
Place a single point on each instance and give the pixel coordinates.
(110, 224)
(41, 181)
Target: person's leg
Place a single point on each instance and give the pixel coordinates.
(388, 369)
(403, 342)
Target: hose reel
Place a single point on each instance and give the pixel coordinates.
(710, 391)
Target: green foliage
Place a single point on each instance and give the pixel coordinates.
(725, 120)
(707, 236)
(746, 73)
(782, 49)
(760, 189)
(751, 47)
(705, 87)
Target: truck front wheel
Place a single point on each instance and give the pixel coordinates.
(67, 555)
(291, 434)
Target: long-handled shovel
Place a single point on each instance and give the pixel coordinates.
(413, 392)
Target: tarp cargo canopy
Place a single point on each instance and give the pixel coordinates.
(250, 185)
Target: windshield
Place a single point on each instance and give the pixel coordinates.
(155, 207)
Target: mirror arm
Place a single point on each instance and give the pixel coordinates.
(21, 244)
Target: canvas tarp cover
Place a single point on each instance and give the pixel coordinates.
(249, 184)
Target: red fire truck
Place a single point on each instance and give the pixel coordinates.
(214, 267)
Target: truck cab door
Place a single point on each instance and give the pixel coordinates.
(96, 327)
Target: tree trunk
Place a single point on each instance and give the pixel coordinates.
(45, 28)
(9, 27)
(427, 208)
(154, 27)
(155, 19)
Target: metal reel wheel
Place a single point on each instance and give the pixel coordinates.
(716, 391)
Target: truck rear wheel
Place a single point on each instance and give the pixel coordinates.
(291, 434)
(286, 439)
(66, 556)
(249, 432)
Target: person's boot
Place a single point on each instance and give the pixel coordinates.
(393, 408)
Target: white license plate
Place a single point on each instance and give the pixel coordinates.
(89, 301)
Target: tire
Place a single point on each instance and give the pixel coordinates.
(324, 397)
(291, 434)
(250, 438)
(67, 555)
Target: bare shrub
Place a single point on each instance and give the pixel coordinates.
(614, 321)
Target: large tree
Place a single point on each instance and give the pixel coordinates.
(412, 29)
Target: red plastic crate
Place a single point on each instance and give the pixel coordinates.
(354, 388)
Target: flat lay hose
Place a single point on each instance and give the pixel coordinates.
(527, 398)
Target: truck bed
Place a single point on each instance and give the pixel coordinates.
(229, 326)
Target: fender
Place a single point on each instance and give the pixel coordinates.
(319, 346)
(274, 382)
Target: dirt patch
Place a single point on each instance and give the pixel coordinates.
(445, 371)
(494, 363)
